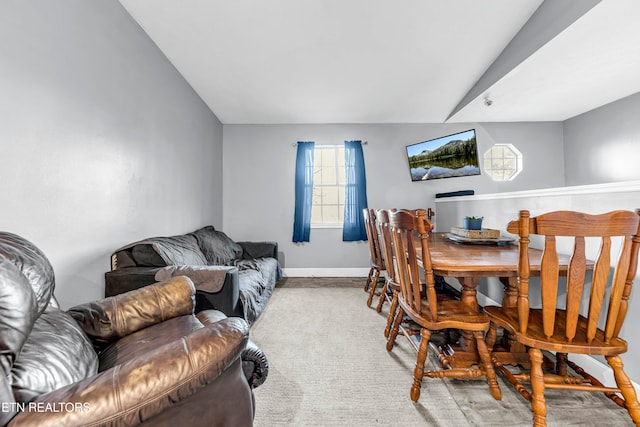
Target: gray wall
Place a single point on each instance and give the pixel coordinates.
(603, 145)
(103, 142)
(259, 178)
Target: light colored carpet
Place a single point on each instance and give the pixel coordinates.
(329, 367)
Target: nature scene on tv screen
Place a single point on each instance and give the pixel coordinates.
(445, 157)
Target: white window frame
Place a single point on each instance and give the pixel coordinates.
(499, 164)
(317, 185)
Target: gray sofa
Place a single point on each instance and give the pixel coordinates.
(236, 278)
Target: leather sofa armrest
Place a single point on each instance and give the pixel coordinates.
(255, 365)
(254, 250)
(254, 362)
(227, 299)
(142, 388)
(112, 318)
(127, 279)
(218, 286)
(206, 278)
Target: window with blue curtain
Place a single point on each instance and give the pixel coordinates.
(355, 193)
(303, 192)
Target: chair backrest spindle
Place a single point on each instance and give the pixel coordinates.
(522, 228)
(386, 242)
(371, 228)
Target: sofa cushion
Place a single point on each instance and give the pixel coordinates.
(18, 309)
(56, 353)
(123, 259)
(217, 247)
(253, 250)
(146, 256)
(146, 340)
(162, 251)
(32, 263)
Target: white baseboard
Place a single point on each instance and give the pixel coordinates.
(325, 272)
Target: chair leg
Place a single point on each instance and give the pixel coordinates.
(368, 282)
(492, 334)
(418, 372)
(626, 388)
(537, 389)
(374, 285)
(383, 296)
(394, 330)
(392, 314)
(485, 358)
(561, 364)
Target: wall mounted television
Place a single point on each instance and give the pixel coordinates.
(445, 157)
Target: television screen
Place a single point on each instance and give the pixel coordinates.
(444, 157)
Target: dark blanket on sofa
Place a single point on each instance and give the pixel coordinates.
(256, 279)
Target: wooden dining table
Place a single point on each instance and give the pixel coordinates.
(468, 263)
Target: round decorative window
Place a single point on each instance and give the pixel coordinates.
(503, 162)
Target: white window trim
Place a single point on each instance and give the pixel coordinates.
(518, 156)
(340, 226)
(337, 225)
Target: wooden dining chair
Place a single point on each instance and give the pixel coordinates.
(391, 287)
(375, 253)
(391, 284)
(391, 290)
(409, 231)
(570, 323)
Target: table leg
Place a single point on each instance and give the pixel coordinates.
(468, 293)
(468, 296)
(514, 352)
(510, 298)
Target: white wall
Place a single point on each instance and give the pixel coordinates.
(259, 178)
(102, 141)
(603, 145)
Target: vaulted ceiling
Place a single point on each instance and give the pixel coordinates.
(410, 61)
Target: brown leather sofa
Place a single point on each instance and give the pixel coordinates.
(139, 358)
